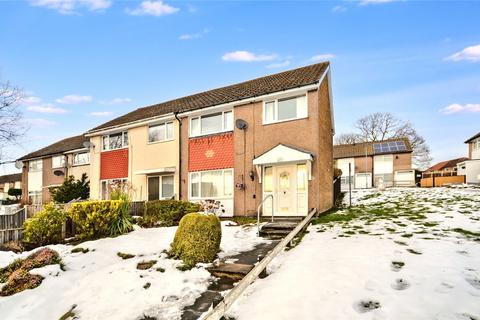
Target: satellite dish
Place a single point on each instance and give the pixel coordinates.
(241, 124)
(88, 144)
(58, 173)
(18, 164)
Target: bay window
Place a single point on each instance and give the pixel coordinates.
(160, 187)
(211, 184)
(285, 109)
(81, 158)
(58, 162)
(160, 132)
(115, 141)
(211, 123)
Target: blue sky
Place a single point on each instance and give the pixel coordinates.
(83, 62)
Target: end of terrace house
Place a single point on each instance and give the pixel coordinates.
(270, 137)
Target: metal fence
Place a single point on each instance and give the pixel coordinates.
(11, 226)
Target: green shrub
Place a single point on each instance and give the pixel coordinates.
(166, 213)
(45, 227)
(94, 219)
(122, 223)
(197, 239)
(71, 189)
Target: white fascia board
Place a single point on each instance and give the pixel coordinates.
(130, 125)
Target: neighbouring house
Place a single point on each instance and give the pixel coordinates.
(7, 182)
(444, 169)
(375, 163)
(470, 168)
(267, 138)
(49, 166)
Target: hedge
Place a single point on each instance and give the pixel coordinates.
(45, 227)
(166, 213)
(197, 239)
(93, 219)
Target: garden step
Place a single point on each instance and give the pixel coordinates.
(231, 270)
(281, 225)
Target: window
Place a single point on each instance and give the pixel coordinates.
(212, 123)
(211, 184)
(268, 179)
(476, 144)
(115, 141)
(302, 177)
(108, 185)
(58, 162)
(81, 158)
(285, 109)
(35, 197)
(35, 165)
(160, 132)
(160, 187)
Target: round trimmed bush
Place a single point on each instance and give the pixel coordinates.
(197, 239)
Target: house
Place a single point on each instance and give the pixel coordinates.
(267, 138)
(375, 163)
(7, 182)
(470, 168)
(444, 168)
(49, 166)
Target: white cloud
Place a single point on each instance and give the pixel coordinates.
(40, 123)
(322, 57)
(73, 99)
(71, 6)
(152, 8)
(46, 108)
(116, 101)
(192, 36)
(101, 113)
(471, 53)
(461, 108)
(246, 56)
(339, 8)
(285, 63)
(367, 2)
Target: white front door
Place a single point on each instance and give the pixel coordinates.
(286, 190)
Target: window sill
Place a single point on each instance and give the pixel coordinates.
(209, 134)
(80, 164)
(281, 121)
(115, 149)
(162, 141)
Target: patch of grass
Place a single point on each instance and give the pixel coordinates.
(296, 241)
(147, 285)
(79, 249)
(160, 269)
(413, 251)
(145, 265)
(467, 233)
(407, 235)
(70, 314)
(371, 196)
(125, 256)
(350, 232)
(430, 224)
(334, 217)
(391, 229)
(184, 267)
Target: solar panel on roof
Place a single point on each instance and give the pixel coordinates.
(388, 147)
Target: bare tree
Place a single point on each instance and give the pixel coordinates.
(12, 127)
(384, 125)
(348, 138)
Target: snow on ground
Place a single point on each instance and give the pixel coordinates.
(104, 286)
(405, 254)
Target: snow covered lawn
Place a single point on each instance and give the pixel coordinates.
(398, 254)
(104, 286)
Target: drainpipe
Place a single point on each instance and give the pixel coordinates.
(179, 155)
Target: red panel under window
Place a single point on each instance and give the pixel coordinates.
(212, 152)
(114, 164)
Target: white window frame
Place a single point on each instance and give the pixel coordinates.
(107, 147)
(223, 196)
(36, 197)
(165, 138)
(80, 164)
(224, 128)
(108, 181)
(264, 110)
(476, 144)
(160, 187)
(62, 162)
(37, 167)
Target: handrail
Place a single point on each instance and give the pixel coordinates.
(258, 212)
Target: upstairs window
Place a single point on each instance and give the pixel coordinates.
(211, 123)
(160, 132)
(285, 109)
(115, 141)
(81, 158)
(58, 162)
(476, 144)
(35, 165)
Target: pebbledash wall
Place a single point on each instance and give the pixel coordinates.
(239, 148)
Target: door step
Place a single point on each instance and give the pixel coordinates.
(277, 230)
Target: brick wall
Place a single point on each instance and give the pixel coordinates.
(210, 153)
(114, 164)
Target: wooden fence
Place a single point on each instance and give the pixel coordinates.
(11, 226)
(441, 181)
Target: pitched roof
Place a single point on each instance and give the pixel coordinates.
(473, 138)
(61, 146)
(446, 164)
(248, 89)
(358, 149)
(11, 177)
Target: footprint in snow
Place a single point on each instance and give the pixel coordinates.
(466, 316)
(462, 252)
(397, 265)
(366, 306)
(413, 251)
(400, 284)
(474, 282)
